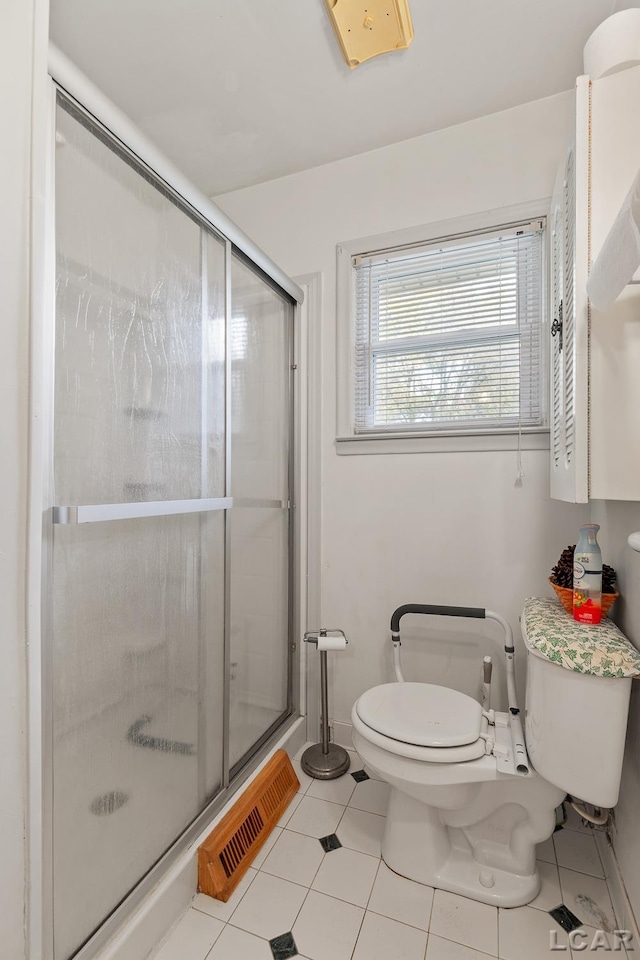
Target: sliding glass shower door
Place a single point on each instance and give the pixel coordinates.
(169, 609)
(260, 448)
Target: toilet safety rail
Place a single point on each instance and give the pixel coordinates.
(520, 758)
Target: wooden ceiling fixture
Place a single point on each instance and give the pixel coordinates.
(367, 28)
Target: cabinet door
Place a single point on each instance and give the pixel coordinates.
(615, 333)
(568, 228)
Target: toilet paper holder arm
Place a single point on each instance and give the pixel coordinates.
(312, 636)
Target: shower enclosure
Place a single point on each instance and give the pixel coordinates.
(168, 623)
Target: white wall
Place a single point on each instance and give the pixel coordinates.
(24, 24)
(618, 519)
(443, 528)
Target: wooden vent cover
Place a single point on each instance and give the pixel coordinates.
(226, 854)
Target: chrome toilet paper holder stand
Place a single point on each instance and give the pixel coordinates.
(325, 760)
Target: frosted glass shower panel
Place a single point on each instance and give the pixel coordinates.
(260, 379)
(130, 720)
(138, 606)
(140, 291)
(260, 342)
(259, 625)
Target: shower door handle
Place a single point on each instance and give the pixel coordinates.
(260, 503)
(101, 512)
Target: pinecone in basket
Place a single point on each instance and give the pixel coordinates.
(562, 573)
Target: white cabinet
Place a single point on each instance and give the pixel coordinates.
(614, 366)
(595, 378)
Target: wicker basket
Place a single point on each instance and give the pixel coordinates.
(565, 596)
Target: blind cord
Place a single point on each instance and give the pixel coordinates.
(520, 474)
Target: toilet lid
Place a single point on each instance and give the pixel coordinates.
(422, 714)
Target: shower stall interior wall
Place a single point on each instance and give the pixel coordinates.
(168, 622)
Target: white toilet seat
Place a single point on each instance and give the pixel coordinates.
(423, 714)
(466, 726)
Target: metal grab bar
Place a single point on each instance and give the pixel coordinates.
(102, 512)
(433, 610)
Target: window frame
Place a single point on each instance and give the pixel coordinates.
(419, 439)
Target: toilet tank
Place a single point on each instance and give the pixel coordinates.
(575, 727)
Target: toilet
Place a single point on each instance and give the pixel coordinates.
(471, 795)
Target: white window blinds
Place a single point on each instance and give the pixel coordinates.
(448, 334)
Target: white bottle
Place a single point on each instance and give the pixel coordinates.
(587, 576)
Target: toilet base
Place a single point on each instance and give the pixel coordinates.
(461, 874)
(492, 861)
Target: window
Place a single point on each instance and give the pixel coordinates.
(447, 334)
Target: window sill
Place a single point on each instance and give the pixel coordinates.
(450, 443)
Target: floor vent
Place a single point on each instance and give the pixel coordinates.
(226, 854)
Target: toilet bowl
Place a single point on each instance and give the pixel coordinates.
(466, 807)
(459, 825)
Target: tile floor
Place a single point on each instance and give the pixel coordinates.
(345, 904)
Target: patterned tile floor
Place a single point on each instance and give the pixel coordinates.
(307, 896)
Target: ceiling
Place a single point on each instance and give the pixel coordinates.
(236, 92)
